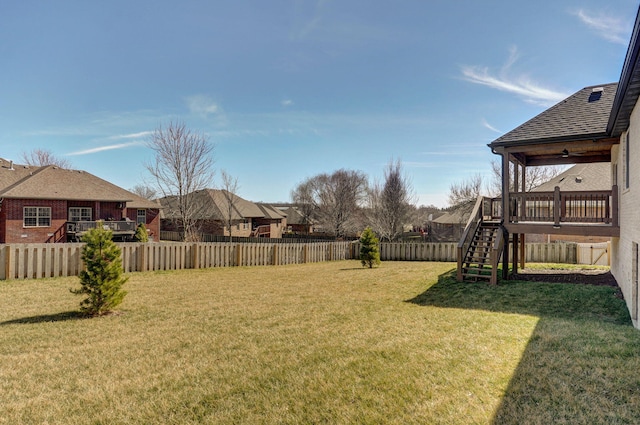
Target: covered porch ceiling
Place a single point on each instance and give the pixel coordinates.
(561, 152)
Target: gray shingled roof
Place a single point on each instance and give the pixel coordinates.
(580, 177)
(583, 115)
(271, 212)
(50, 182)
(212, 204)
(454, 217)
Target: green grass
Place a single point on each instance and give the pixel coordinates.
(571, 267)
(319, 343)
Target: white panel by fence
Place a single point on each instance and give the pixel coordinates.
(594, 253)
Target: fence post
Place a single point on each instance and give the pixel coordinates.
(8, 270)
(195, 255)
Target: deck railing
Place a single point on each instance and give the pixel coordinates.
(75, 229)
(589, 207)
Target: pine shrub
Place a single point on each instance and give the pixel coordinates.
(141, 233)
(369, 252)
(101, 280)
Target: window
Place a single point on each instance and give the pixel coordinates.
(79, 214)
(141, 217)
(37, 216)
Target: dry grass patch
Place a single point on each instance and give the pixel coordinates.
(316, 343)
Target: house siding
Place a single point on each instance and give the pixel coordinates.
(12, 218)
(152, 223)
(629, 199)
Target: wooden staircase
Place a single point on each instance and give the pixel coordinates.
(477, 260)
(60, 235)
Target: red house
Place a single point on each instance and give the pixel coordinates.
(51, 204)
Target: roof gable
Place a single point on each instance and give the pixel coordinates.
(583, 115)
(212, 204)
(580, 177)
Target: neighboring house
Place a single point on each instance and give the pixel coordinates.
(272, 225)
(51, 204)
(211, 212)
(592, 177)
(598, 124)
(449, 226)
(296, 222)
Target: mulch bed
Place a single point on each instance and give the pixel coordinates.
(585, 277)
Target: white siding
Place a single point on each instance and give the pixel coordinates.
(629, 209)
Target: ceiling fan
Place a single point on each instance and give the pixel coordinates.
(567, 154)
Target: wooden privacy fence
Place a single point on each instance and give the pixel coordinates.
(413, 251)
(563, 253)
(32, 261)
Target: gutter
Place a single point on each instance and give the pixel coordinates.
(625, 76)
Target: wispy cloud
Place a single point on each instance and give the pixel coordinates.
(490, 127)
(313, 15)
(202, 105)
(286, 102)
(139, 135)
(613, 29)
(105, 148)
(520, 85)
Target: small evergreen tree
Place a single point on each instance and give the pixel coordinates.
(102, 278)
(369, 252)
(141, 233)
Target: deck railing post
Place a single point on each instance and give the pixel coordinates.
(614, 206)
(556, 206)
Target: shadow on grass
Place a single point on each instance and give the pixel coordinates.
(58, 317)
(580, 361)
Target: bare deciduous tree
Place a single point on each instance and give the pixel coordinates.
(183, 163)
(337, 199)
(391, 203)
(42, 157)
(229, 189)
(302, 196)
(534, 176)
(463, 195)
(144, 191)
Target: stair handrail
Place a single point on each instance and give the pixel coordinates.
(475, 219)
(58, 235)
(496, 252)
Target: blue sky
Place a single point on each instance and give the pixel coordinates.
(287, 89)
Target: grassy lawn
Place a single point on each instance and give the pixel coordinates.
(319, 343)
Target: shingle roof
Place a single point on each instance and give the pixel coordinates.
(212, 204)
(454, 217)
(50, 182)
(583, 115)
(583, 177)
(271, 212)
(294, 216)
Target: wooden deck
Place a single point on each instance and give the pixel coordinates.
(122, 230)
(592, 213)
(588, 213)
